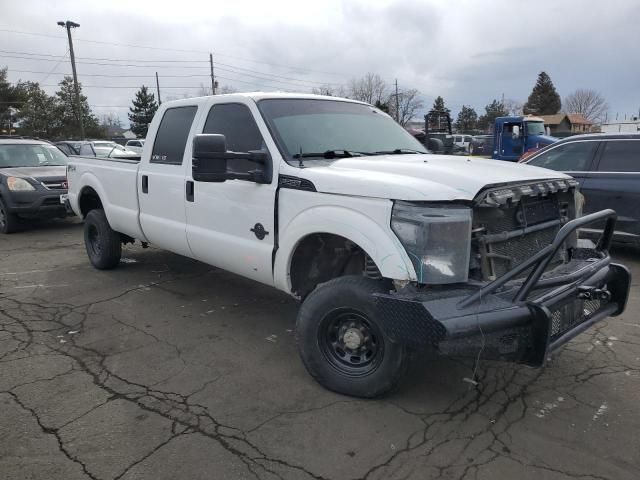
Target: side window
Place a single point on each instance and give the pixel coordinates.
(173, 133)
(86, 150)
(570, 157)
(620, 156)
(236, 123)
(64, 148)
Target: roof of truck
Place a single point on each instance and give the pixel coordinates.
(256, 96)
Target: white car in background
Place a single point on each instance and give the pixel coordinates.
(135, 145)
(461, 142)
(105, 148)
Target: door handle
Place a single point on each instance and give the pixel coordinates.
(190, 190)
(145, 184)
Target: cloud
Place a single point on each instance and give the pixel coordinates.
(469, 53)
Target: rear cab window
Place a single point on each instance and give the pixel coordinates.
(172, 135)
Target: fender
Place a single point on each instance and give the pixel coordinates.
(364, 221)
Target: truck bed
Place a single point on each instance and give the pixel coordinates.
(116, 182)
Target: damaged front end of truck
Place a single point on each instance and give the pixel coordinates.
(504, 274)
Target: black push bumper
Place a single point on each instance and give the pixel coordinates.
(510, 318)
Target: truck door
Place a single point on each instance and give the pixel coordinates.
(510, 147)
(161, 181)
(232, 224)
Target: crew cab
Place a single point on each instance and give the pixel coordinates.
(387, 248)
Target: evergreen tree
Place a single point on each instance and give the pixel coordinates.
(9, 98)
(492, 111)
(438, 106)
(68, 116)
(142, 112)
(38, 111)
(467, 119)
(544, 100)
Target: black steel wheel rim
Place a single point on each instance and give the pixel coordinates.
(351, 342)
(3, 217)
(94, 239)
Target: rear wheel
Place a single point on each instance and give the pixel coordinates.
(342, 344)
(103, 244)
(8, 220)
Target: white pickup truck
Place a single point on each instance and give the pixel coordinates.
(387, 247)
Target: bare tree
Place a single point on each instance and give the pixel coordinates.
(330, 90)
(587, 102)
(370, 89)
(111, 119)
(224, 89)
(513, 107)
(408, 102)
(326, 89)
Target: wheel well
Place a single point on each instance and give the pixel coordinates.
(89, 200)
(320, 257)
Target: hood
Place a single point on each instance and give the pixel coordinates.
(420, 177)
(36, 172)
(543, 140)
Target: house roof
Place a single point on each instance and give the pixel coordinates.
(574, 119)
(553, 119)
(578, 119)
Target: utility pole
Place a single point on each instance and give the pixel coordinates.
(397, 104)
(69, 25)
(158, 89)
(213, 81)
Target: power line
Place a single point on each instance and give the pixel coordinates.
(172, 50)
(247, 74)
(219, 64)
(55, 66)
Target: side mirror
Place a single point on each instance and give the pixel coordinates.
(209, 163)
(515, 133)
(211, 158)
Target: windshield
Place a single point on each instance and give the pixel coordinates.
(24, 155)
(311, 126)
(535, 128)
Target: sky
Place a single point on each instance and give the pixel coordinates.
(469, 52)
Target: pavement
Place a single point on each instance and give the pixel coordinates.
(166, 368)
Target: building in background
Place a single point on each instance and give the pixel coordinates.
(622, 126)
(563, 124)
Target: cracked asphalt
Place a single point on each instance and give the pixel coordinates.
(167, 368)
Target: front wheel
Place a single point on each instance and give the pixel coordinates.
(8, 220)
(341, 343)
(103, 244)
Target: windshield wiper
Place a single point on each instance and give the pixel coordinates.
(330, 154)
(398, 151)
